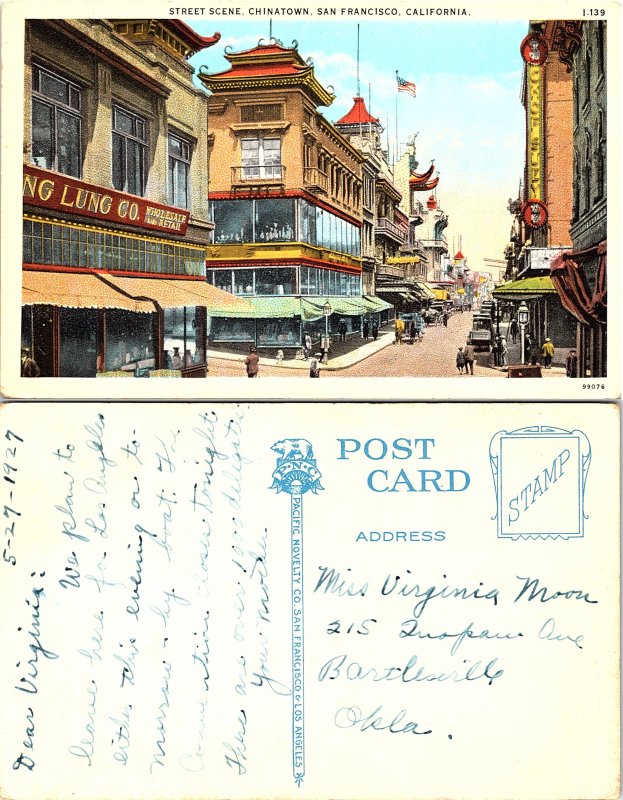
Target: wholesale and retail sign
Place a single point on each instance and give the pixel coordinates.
(46, 189)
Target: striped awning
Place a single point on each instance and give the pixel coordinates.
(174, 293)
(76, 290)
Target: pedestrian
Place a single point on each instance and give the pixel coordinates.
(503, 352)
(342, 329)
(400, 330)
(307, 346)
(534, 354)
(279, 358)
(514, 330)
(314, 369)
(445, 319)
(496, 351)
(460, 361)
(366, 329)
(375, 330)
(572, 364)
(412, 330)
(547, 351)
(469, 358)
(29, 367)
(527, 348)
(252, 363)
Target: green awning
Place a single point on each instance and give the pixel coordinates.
(525, 288)
(265, 308)
(308, 308)
(376, 304)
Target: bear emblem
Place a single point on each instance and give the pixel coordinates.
(293, 450)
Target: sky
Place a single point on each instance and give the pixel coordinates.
(467, 113)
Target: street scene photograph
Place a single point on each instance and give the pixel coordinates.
(259, 195)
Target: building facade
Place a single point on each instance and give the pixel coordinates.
(116, 218)
(580, 275)
(543, 210)
(287, 203)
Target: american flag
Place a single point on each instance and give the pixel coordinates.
(405, 86)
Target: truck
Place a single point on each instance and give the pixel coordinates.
(480, 336)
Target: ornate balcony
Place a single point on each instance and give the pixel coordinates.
(389, 228)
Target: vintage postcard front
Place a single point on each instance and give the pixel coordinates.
(412, 198)
(333, 601)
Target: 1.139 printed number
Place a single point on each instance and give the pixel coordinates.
(593, 12)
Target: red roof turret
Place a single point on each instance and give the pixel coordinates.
(358, 114)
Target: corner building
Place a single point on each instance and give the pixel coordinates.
(286, 197)
(116, 218)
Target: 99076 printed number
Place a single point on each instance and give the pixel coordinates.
(593, 385)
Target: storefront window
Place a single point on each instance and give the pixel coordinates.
(275, 281)
(233, 221)
(222, 279)
(308, 223)
(78, 343)
(274, 220)
(243, 281)
(224, 329)
(61, 245)
(129, 340)
(184, 337)
(279, 333)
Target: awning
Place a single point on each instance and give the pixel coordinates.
(266, 308)
(172, 293)
(308, 308)
(440, 294)
(76, 290)
(425, 290)
(525, 288)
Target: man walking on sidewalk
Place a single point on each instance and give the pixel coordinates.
(469, 358)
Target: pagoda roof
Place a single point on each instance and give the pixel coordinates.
(358, 114)
(459, 256)
(266, 66)
(418, 186)
(172, 34)
(422, 177)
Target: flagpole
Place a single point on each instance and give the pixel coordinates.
(396, 151)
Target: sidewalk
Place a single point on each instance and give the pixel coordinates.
(514, 357)
(341, 355)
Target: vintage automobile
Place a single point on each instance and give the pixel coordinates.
(480, 336)
(419, 325)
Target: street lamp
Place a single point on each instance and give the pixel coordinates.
(327, 311)
(522, 318)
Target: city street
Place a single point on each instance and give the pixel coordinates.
(434, 356)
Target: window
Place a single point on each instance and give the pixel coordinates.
(261, 158)
(179, 171)
(129, 149)
(56, 122)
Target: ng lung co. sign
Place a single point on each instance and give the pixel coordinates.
(46, 189)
